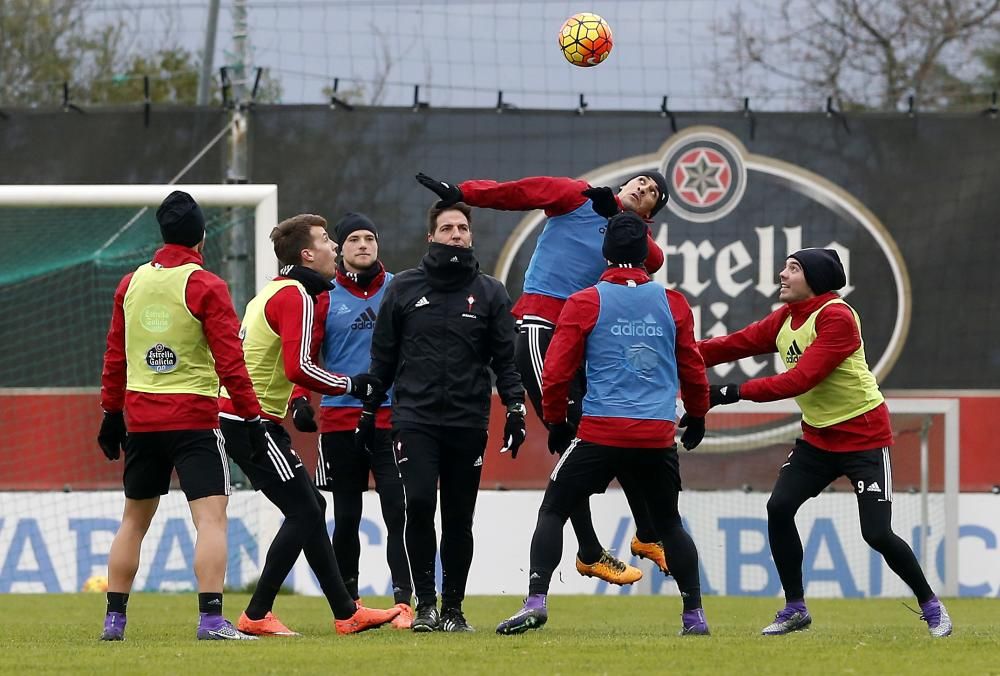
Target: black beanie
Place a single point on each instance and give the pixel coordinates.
(822, 268)
(352, 222)
(661, 184)
(625, 239)
(180, 218)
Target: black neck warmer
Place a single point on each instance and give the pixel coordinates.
(449, 267)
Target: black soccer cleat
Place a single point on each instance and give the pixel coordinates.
(427, 619)
(453, 620)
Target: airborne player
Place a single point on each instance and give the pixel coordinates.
(568, 258)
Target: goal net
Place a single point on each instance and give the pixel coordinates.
(65, 250)
(728, 479)
(727, 482)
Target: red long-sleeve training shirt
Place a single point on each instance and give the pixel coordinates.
(837, 337)
(567, 350)
(555, 195)
(208, 299)
(342, 418)
(290, 314)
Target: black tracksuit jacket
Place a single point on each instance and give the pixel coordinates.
(439, 328)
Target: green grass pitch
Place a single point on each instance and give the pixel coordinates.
(585, 635)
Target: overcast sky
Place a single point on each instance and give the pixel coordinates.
(461, 53)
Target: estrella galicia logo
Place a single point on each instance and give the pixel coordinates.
(155, 318)
(705, 175)
(161, 358)
(761, 208)
(364, 321)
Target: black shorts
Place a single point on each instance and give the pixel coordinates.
(198, 455)
(341, 467)
(591, 467)
(278, 466)
(530, 346)
(870, 472)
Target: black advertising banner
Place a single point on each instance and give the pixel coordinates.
(912, 204)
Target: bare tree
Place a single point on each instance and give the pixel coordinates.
(368, 93)
(867, 54)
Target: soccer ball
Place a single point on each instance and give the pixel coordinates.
(95, 583)
(585, 39)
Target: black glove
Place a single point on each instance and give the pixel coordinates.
(513, 433)
(364, 433)
(725, 394)
(694, 431)
(603, 200)
(365, 387)
(449, 194)
(303, 416)
(111, 438)
(258, 438)
(560, 437)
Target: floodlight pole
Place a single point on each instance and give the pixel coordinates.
(236, 167)
(237, 269)
(208, 54)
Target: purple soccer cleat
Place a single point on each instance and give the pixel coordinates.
(793, 617)
(693, 623)
(937, 618)
(114, 627)
(533, 615)
(218, 628)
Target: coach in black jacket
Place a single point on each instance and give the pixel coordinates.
(439, 327)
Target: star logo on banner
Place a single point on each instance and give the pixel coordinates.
(703, 177)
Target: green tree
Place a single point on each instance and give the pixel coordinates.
(40, 44)
(44, 43)
(173, 78)
(989, 57)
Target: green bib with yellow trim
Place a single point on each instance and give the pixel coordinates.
(165, 346)
(848, 391)
(262, 352)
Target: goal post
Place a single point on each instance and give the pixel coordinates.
(740, 434)
(66, 248)
(262, 198)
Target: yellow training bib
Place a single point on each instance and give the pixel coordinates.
(847, 392)
(165, 347)
(263, 354)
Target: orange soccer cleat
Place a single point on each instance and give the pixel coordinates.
(609, 569)
(269, 625)
(364, 619)
(405, 618)
(652, 551)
